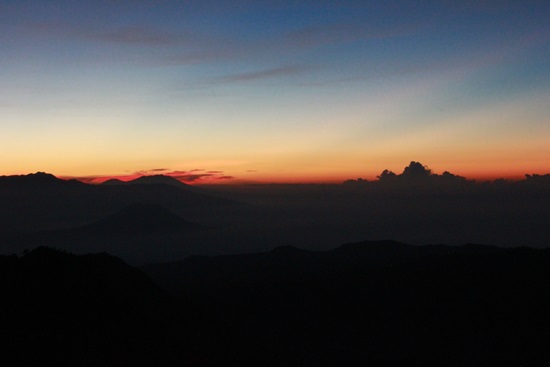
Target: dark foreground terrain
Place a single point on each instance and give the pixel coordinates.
(372, 303)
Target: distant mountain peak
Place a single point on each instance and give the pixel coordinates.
(38, 178)
(158, 179)
(142, 217)
(40, 174)
(148, 180)
(113, 181)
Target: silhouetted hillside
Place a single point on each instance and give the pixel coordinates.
(376, 303)
(93, 310)
(34, 180)
(379, 303)
(41, 201)
(139, 219)
(136, 232)
(288, 262)
(159, 179)
(418, 207)
(113, 181)
(150, 180)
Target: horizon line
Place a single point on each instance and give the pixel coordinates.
(100, 179)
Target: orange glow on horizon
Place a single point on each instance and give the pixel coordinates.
(235, 177)
(515, 175)
(101, 179)
(96, 180)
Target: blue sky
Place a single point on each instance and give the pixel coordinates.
(274, 91)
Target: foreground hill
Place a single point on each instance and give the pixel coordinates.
(92, 310)
(287, 263)
(380, 303)
(371, 303)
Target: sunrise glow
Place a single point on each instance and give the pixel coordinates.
(232, 92)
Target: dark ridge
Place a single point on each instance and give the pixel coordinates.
(37, 181)
(289, 262)
(141, 218)
(469, 305)
(476, 248)
(158, 179)
(43, 202)
(288, 251)
(92, 310)
(436, 305)
(387, 252)
(32, 179)
(372, 246)
(141, 226)
(113, 181)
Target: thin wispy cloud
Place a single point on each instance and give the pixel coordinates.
(488, 6)
(143, 35)
(203, 55)
(183, 47)
(276, 72)
(194, 177)
(339, 33)
(202, 178)
(153, 171)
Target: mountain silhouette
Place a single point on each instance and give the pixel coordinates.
(136, 232)
(92, 310)
(383, 303)
(380, 303)
(288, 262)
(159, 179)
(150, 180)
(42, 201)
(141, 218)
(113, 181)
(34, 180)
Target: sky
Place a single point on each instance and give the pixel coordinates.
(274, 91)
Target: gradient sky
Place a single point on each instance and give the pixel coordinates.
(274, 90)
